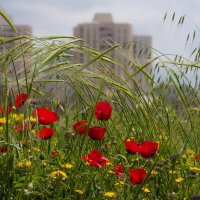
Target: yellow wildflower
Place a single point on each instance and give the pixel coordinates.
(20, 164)
(28, 163)
(146, 190)
(67, 166)
(153, 172)
(119, 183)
(110, 194)
(172, 172)
(36, 149)
(108, 163)
(184, 156)
(58, 173)
(80, 192)
(44, 164)
(179, 180)
(25, 164)
(3, 120)
(189, 163)
(32, 119)
(33, 131)
(195, 168)
(18, 118)
(129, 139)
(191, 153)
(136, 159)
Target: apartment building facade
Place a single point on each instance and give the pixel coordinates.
(103, 32)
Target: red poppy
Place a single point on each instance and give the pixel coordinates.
(21, 127)
(45, 133)
(103, 111)
(137, 175)
(131, 146)
(147, 149)
(2, 112)
(45, 116)
(119, 170)
(80, 127)
(20, 100)
(95, 159)
(96, 133)
(9, 109)
(54, 154)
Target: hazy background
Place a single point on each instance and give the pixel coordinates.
(58, 17)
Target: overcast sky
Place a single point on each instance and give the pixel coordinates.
(58, 17)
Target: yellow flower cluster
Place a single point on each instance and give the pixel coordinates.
(146, 190)
(110, 194)
(28, 163)
(172, 172)
(110, 172)
(80, 192)
(43, 164)
(33, 119)
(119, 183)
(18, 118)
(3, 120)
(131, 138)
(36, 149)
(179, 180)
(58, 174)
(108, 164)
(188, 158)
(189, 153)
(153, 172)
(25, 164)
(195, 168)
(67, 166)
(135, 159)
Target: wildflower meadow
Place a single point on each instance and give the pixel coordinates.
(109, 138)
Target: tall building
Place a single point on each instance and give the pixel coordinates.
(103, 32)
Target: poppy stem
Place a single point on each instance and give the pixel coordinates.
(49, 146)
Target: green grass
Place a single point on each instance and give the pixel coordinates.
(27, 165)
